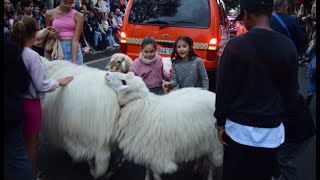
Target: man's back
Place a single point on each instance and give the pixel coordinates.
(263, 74)
(293, 26)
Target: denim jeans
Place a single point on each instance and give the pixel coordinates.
(17, 165)
(67, 51)
(110, 37)
(312, 85)
(6, 34)
(96, 37)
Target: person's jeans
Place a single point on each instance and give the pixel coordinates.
(67, 51)
(96, 37)
(110, 37)
(17, 165)
(312, 85)
(6, 34)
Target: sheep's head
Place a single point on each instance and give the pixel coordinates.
(128, 86)
(119, 63)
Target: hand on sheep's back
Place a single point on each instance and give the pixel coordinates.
(64, 81)
(166, 85)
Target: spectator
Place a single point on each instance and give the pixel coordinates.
(114, 27)
(113, 5)
(94, 28)
(27, 7)
(68, 25)
(311, 53)
(12, 17)
(122, 6)
(43, 9)
(6, 8)
(111, 42)
(118, 17)
(23, 33)
(38, 16)
(87, 6)
(17, 165)
(257, 84)
(287, 25)
(19, 9)
(101, 6)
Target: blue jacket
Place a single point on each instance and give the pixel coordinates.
(294, 27)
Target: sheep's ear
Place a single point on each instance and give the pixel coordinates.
(123, 65)
(124, 89)
(130, 74)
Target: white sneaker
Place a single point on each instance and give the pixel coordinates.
(116, 45)
(108, 48)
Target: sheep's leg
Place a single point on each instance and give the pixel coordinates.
(101, 162)
(91, 164)
(210, 175)
(147, 174)
(197, 169)
(156, 176)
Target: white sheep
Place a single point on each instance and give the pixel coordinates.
(160, 131)
(80, 117)
(119, 63)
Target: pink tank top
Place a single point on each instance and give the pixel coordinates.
(66, 24)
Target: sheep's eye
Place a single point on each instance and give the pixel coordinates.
(124, 82)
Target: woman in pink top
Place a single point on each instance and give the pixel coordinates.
(68, 24)
(23, 33)
(149, 66)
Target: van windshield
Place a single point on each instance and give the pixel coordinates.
(181, 13)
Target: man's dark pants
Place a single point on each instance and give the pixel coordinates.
(247, 162)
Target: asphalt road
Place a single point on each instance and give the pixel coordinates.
(57, 164)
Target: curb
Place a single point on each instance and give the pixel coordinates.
(99, 54)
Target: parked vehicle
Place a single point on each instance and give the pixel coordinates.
(205, 21)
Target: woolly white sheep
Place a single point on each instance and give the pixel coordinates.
(80, 117)
(119, 63)
(161, 131)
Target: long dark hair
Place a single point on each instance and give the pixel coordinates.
(22, 30)
(189, 41)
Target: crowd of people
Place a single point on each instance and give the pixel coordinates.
(101, 27)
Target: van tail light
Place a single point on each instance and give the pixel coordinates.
(123, 37)
(212, 50)
(123, 43)
(213, 44)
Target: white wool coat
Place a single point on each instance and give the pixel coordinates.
(157, 131)
(80, 117)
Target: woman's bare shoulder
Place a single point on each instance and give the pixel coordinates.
(50, 12)
(78, 15)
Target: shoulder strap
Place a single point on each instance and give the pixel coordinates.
(282, 24)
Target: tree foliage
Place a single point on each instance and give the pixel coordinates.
(231, 4)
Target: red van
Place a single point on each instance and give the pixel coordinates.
(205, 21)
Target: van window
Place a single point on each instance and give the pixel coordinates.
(181, 13)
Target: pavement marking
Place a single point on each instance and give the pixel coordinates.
(101, 59)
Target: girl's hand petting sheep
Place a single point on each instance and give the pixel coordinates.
(166, 85)
(65, 81)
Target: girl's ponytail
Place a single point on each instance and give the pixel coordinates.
(17, 34)
(23, 30)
